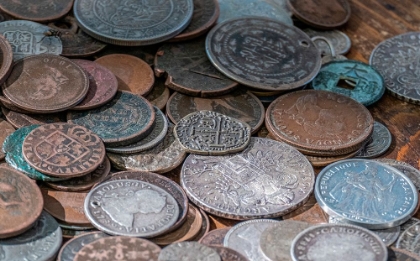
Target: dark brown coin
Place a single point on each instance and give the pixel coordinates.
(228, 254)
(159, 94)
(310, 212)
(146, 53)
(239, 104)
(215, 237)
(19, 120)
(20, 202)
(63, 150)
(323, 14)
(5, 130)
(36, 10)
(49, 84)
(6, 59)
(319, 123)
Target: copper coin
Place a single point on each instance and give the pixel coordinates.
(69, 250)
(319, 123)
(215, 237)
(146, 53)
(159, 94)
(205, 226)
(103, 85)
(6, 103)
(6, 59)
(21, 202)
(319, 161)
(133, 74)
(228, 254)
(36, 10)
(19, 120)
(5, 130)
(49, 84)
(323, 14)
(63, 150)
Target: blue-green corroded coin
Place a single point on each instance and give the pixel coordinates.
(12, 147)
(354, 79)
(126, 119)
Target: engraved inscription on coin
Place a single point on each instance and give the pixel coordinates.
(378, 144)
(70, 249)
(188, 251)
(36, 10)
(409, 239)
(412, 173)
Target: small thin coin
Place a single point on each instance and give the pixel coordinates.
(378, 144)
(5, 130)
(340, 41)
(69, 250)
(408, 239)
(20, 120)
(215, 237)
(205, 226)
(319, 161)
(228, 254)
(159, 94)
(36, 10)
(412, 173)
(188, 251)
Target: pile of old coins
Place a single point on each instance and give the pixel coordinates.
(127, 123)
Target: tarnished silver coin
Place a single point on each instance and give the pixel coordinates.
(267, 179)
(378, 144)
(396, 254)
(131, 208)
(409, 239)
(366, 193)
(339, 40)
(69, 250)
(228, 254)
(338, 242)
(188, 251)
(412, 173)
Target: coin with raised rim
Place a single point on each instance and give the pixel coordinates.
(159, 94)
(411, 172)
(36, 10)
(395, 254)
(215, 237)
(69, 250)
(5, 130)
(20, 120)
(339, 40)
(188, 251)
(378, 144)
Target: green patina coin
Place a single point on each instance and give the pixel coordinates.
(12, 147)
(126, 119)
(354, 79)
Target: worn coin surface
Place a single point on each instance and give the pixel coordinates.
(409, 239)
(20, 120)
(146, 53)
(409, 223)
(263, 53)
(126, 23)
(267, 179)
(6, 58)
(378, 144)
(131, 208)
(395, 254)
(310, 212)
(205, 226)
(159, 94)
(320, 161)
(228, 254)
(36, 10)
(5, 130)
(412, 173)
(215, 237)
(188, 251)
(340, 41)
(71, 247)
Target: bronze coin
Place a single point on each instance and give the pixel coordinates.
(49, 84)
(319, 161)
(5, 130)
(63, 150)
(228, 254)
(319, 123)
(133, 74)
(215, 237)
(19, 120)
(10, 106)
(146, 53)
(159, 94)
(205, 226)
(21, 202)
(6, 59)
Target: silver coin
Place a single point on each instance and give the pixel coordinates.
(409, 223)
(378, 144)
(133, 23)
(267, 179)
(338, 242)
(412, 173)
(328, 58)
(40, 243)
(28, 38)
(131, 208)
(70, 249)
(188, 251)
(245, 238)
(409, 239)
(366, 193)
(339, 40)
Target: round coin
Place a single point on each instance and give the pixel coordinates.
(5, 130)
(412, 173)
(407, 240)
(215, 237)
(159, 94)
(205, 226)
(395, 254)
(36, 10)
(378, 144)
(71, 247)
(188, 251)
(6, 58)
(228, 254)
(20, 120)
(340, 41)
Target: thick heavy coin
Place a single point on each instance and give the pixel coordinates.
(228, 254)
(159, 94)
(119, 248)
(319, 123)
(131, 208)
(71, 247)
(133, 74)
(408, 240)
(36, 10)
(189, 71)
(126, 119)
(63, 150)
(378, 144)
(212, 133)
(32, 37)
(395, 254)
(103, 85)
(395, 60)
(412, 173)
(215, 237)
(267, 179)
(263, 53)
(5, 130)
(156, 135)
(20, 120)
(188, 251)
(239, 104)
(50, 84)
(6, 59)
(205, 226)
(366, 193)
(21, 202)
(322, 14)
(338, 242)
(354, 79)
(40, 243)
(126, 23)
(340, 41)
(245, 238)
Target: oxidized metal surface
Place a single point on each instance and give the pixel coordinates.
(366, 193)
(126, 119)
(63, 150)
(189, 71)
(409, 239)
(263, 53)
(188, 251)
(103, 85)
(6, 59)
(338, 242)
(319, 122)
(131, 208)
(378, 144)
(159, 94)
(395, 254)
(156, 135)
(119, 248)
(28, 38)
(133, 74)
(412, 173)
(310, 212)
(239, 104)
(319, 161)
(20, 120)
(69, 233)
(5, 130)
(146, 53)
(215, 237)
(205, 226)
(36, 10)
(133, 23)
(396, 60)
(267, 179)
(50, 83)
(340, 41)
(20, 202)
(70, 249)
(212, 133)
(368, 83)
(228, 254)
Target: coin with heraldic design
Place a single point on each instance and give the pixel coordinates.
(20, 120)
(338, 242)
(71, 247)
(188, 251)
(215, 237)
(50, 83)
(131, 208)
(36, 10)
(378, 144)
(129, 23)
(6, 58)
(339, 40)
(212, 133)
(228, 254)
(263, 53)
(63, 150)
(267, 179)
(411, 172)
